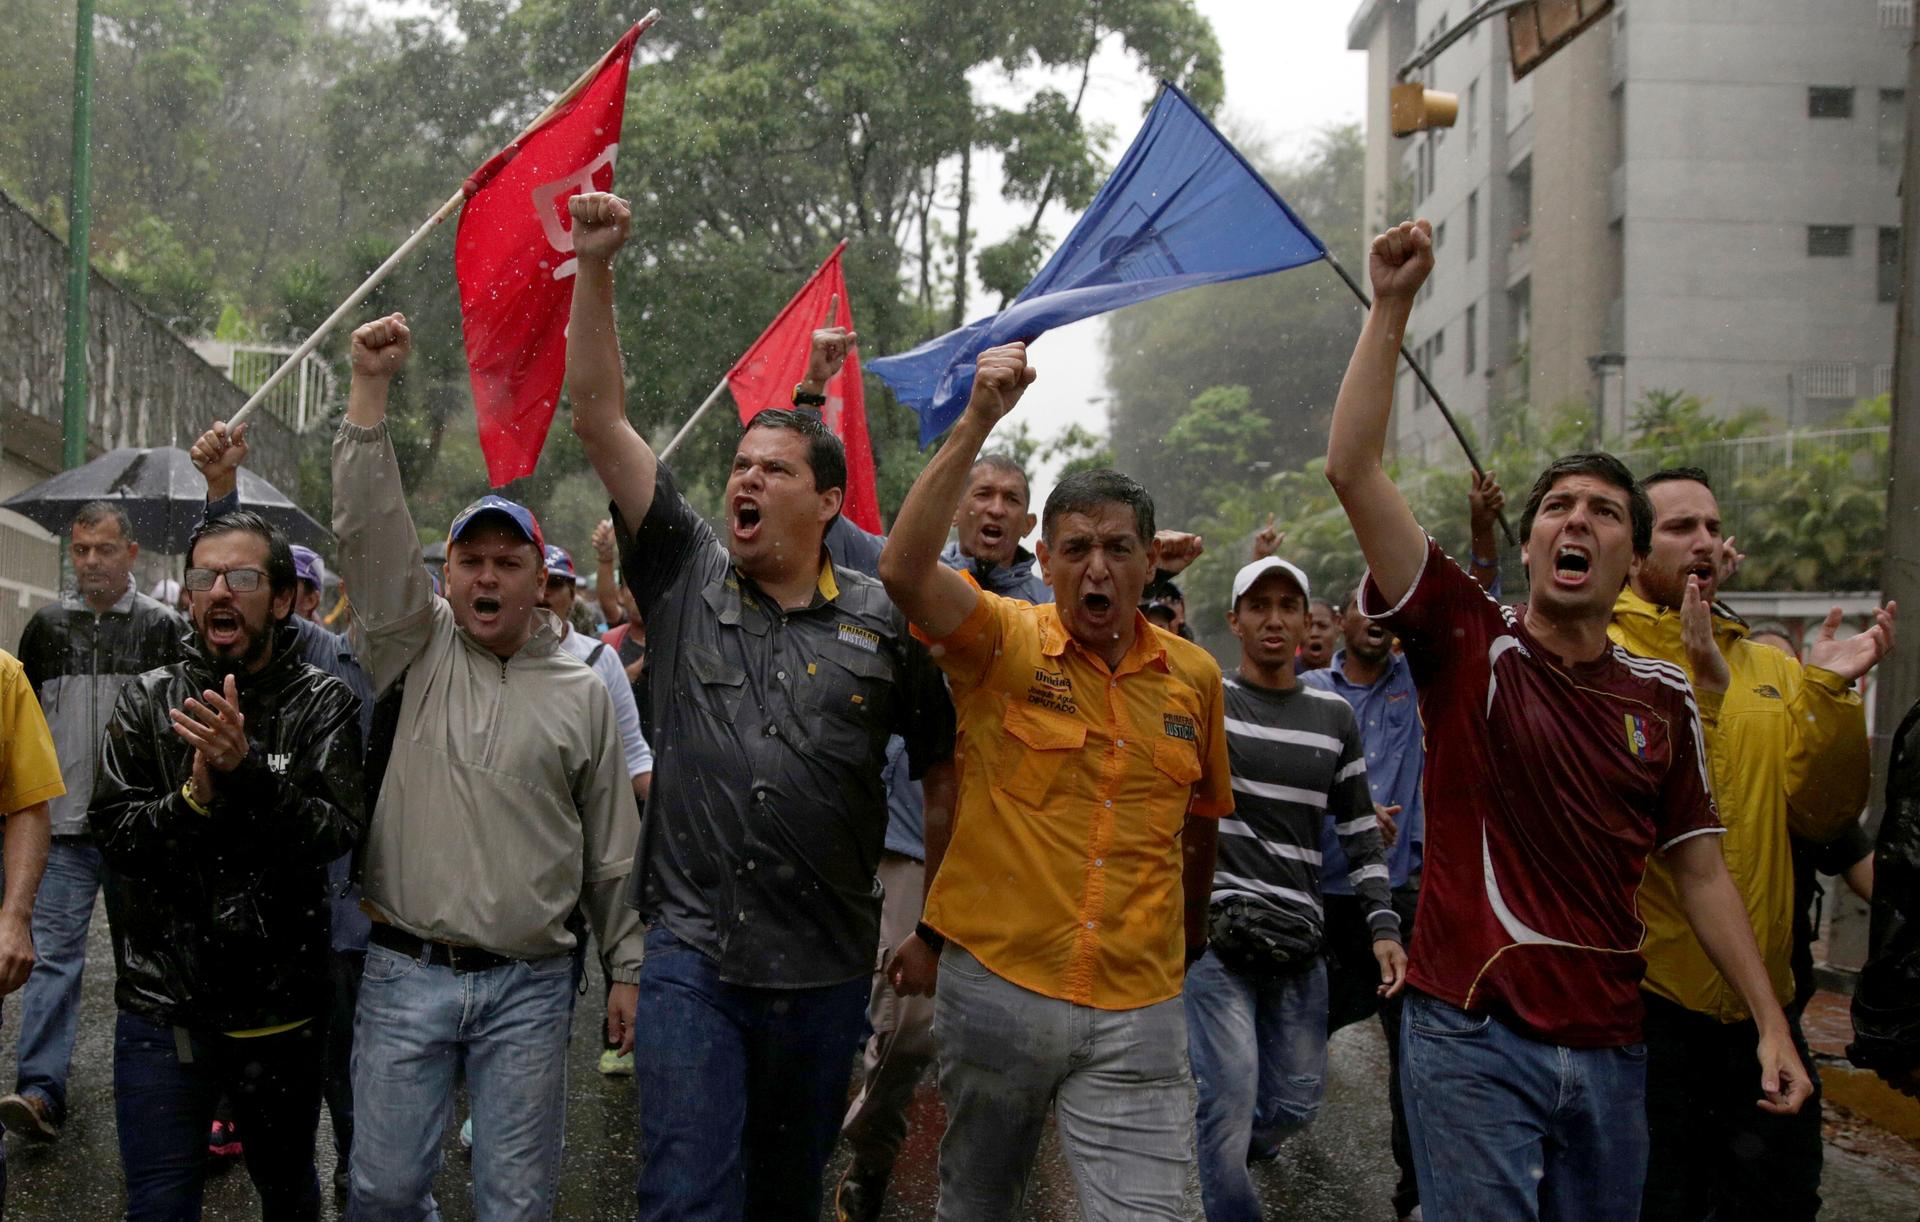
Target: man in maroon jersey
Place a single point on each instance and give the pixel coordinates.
(1556, 762)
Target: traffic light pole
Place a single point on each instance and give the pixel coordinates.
(73, 388)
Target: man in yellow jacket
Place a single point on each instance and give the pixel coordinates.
(1788, 750)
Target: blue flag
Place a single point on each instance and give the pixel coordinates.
(1183, 208)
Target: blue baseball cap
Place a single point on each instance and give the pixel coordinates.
(518, 515)
(308, 568)
(560, 564)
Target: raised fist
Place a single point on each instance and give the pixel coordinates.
(601, 222)
(831, 344)
(381, 347)
(1400, 260)
(218, 455)
(1000, 377)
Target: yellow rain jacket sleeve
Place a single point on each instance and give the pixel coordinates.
(1788, 750)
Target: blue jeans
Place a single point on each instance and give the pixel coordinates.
(1116, 1082)
(1506, 1127)
(508, 1025)
(1259, 1053)
(164, 1103)
(50, 1000)
(741, 1089)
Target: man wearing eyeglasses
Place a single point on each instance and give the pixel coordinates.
(227, 782)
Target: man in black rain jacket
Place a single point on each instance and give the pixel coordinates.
(227, 783)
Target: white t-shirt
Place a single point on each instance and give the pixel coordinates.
(626, 715)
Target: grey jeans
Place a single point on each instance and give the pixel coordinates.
(1116, 1081)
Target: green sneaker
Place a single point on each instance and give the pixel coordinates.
(616, 1064)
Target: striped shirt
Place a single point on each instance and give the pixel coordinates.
(1298, 765)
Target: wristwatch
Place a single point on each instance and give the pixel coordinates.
(930, 936)
(802, 398)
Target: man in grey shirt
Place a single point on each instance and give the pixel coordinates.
(504, 807)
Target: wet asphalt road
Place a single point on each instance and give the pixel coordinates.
(1339, 1169)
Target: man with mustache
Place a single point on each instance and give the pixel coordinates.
(504, 806)
(779, 676)
(227, 783)
(1789, 755)
(1073, 893)
(1558, 763)
(77, 653)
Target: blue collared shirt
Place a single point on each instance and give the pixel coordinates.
(1389, 715)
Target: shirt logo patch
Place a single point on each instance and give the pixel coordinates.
(860, 638)
(1052, 690)
(1637, 736)
(1769, 691)
(1180, 727)
(279, 763)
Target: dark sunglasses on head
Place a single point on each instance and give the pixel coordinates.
(240, 581)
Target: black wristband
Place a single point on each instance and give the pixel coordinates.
(931, 936)
(803, 398)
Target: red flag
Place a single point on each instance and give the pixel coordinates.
(514, 261)
(765, 376)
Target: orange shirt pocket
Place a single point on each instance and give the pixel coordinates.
(1178, 759)
(1043, 742)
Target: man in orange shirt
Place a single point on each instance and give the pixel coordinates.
(1073, 891)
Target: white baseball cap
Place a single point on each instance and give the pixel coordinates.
(1244, 579)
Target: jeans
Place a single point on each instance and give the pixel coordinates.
(1259, 1054)
(740, 1089)
(901, 1047)
(50, 1000)
(164, 1103)
(345, 967)
(416, 1022)
(1506, 1127)
(1713, 1152)
(1115, 1080)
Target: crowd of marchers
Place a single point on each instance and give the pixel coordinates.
(832, 809)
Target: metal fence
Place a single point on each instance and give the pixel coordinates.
(1729, 461)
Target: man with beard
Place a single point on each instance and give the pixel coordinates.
(1073, 893)
(779, 676)
(1557, 763)
(78, 653)
(1789, 755)
(227, 783)
(218, 455)
(1378, 683)
(504, 806)
(1257, 1000)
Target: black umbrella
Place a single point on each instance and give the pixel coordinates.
(164, 496)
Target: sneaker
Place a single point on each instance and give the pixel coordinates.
(1413, 1215)
(340, 1182)
(466, 1133)
(223, 1140)
(859, 1195)
(29, 1115)
(616, 1064)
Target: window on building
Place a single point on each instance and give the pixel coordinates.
(1473, 225)
(1829, 241)
(1890, 127)
(1420, 388)
(1439, 343)
(1439, 236)
(1472, 337)
(1888, 285)
(1830, 102)
(1520, 191)
(1617, 123)
(1520, 310)
(1473, 115)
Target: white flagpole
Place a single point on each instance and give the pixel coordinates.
(419, 235)
(694, 419)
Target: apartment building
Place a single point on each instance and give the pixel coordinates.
(1694, 195)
